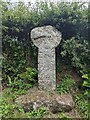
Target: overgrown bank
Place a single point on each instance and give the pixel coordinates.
(71, 19)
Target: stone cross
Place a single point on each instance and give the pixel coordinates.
(46, 38)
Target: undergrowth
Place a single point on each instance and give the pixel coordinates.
(66, 84)
(82, 104)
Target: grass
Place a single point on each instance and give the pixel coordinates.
(9, 109)
(66, 84)
(82, 104)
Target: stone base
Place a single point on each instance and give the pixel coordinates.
(51, 100)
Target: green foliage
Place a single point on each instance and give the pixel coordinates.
(66, 84)
(7, 109)
(86, 77)
(14, 63)
(19, 53)
(37, 113)
(13, 59)
(19, 87)
(18, 20)
(30, 74)
(63, 116)
(82, 104)
(23, 81)
(78, 55)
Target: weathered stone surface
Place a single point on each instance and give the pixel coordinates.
(64, 101)
(46, 38)
(52, 101)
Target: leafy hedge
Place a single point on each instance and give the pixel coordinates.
(18, 19)
(20, 55)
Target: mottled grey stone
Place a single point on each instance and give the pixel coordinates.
(54, 102)
(46, 38)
